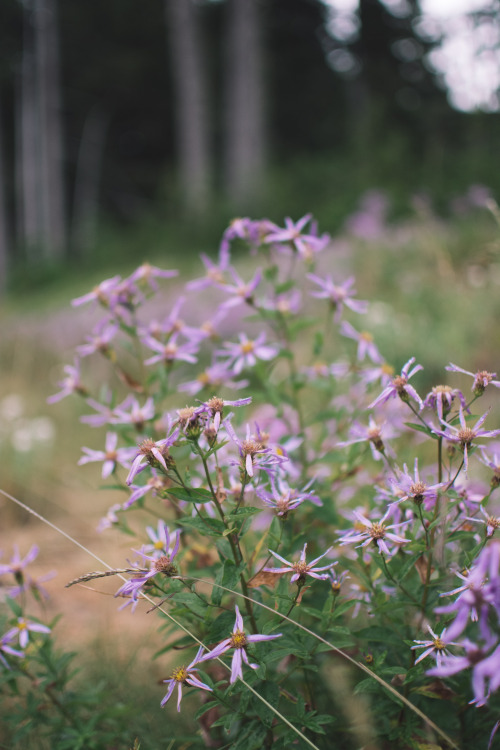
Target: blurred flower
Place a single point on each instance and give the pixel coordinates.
(70, 384)
(339, 295)
(22, 630)
(482, 378)
(366, 345)
(110, 457)
(247, 352)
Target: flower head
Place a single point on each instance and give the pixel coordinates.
(399, 387)
(184, 676)
(465, 436)
(238, 640)
(301, 569)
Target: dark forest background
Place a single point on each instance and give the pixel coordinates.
(122, 120)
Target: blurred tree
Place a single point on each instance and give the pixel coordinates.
(40, 169)
(190, 104)
(245, 132)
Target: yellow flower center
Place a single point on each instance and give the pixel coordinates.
(238, 639)
(179, 674)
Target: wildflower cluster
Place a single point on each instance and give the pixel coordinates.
(261, 494)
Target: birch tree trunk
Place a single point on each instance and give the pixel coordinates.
(190, 103)
(245, 140)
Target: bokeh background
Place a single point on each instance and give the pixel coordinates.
(134, 131)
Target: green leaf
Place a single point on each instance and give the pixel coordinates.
(421, 428)
(205, 526)
(192, 495)
(244, 512)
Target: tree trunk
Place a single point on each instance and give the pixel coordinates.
(88, 172)
(244, 114)
(40, 146)
(4, 231)
(190, 104)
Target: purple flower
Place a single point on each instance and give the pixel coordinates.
(110, 457)
(146, 273)
(465, 436)
(70, 384)
(154, 454)
(492, 522)
(163, 564)
(104, 333)
(22, 630)
(170, 351)
(485, 668)
(17, 564)
(253, 453)
(214, 272)
(240, 291)
(399, 387)
(438, 645)
(441, 398)
(214, 408)
(339, 295)
(305, 244)
(283, 498)
(213, 378)
(104, 414)
(366, 346)
(247, 352)
(6, 649)
(130, 412)
(482, 378)
(409, 487)
(239, 641)
(301, 569)
(371, 434)
(102, 293)
(366, 531)
(184, 676)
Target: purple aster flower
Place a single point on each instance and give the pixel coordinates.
(17, 563)
(409, 487)
(305, 244)
(482, 378)
(22, 630)
(213, 378)
(301, 569)
(399, 387)
(214, 408)
(70, 384)
(103, 293)
(465, 436)
(110, 519)
(170, 351)
(154, 454)
(441, 398)
(366, 345)
(163, 564)
(6, 649)
(253, 454)
(240, 291)
(365, 531)
(147, 274)
(184, 676)
(339, 295)
(110, 457)
(104, 332)
(283, 498)
(172, 324)
(247, 352)
(371, 434)
(239, 640)
(438, 646)
(485, 668)
(214, 272)
(492, 522)
(130, 412)
(493, 464)
(103, 416)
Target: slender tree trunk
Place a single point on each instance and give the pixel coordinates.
(245, 146)
(50, 124)
(190, 103)
(4, 231)
(88, 172)
(40, 146)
